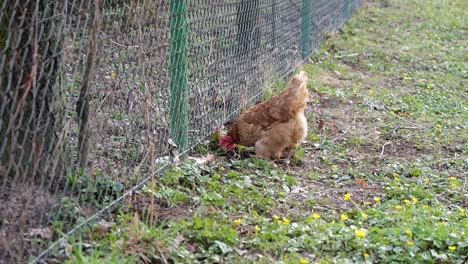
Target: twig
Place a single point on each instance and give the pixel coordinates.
(124, 46)
(347, 55)
(383, 147)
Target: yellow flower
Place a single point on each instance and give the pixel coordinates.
(409, 242)
(238, 221)
(114, 75)
(334, 166)
(344, 217)
(354, 91)
(367, 203)
(316, 216)
(286, 221)
(347, 196)
(303, 261)
(409, 233)
(276, 217)
(453, 185)
(462, 210)
(396, 175)
(221, 168)
(366, 255)
(406, 201)
(360, 83)
(371, 91)
(452, 248)
(364, 215)
(425, 206)
(377, 199)
(414, 199)
(427, 180)
(453, 178)
(398, 207)
(257, 228)
(360, 233)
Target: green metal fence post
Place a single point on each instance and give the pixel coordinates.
(179, 73)
(346, 9)
(306, 28)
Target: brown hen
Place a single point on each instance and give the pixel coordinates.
(273, 126)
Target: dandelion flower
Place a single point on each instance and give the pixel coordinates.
(286, 221)
(364, 216)
(377, 199)
(406, 201)
(371, 91)
(344, 217)
(453, 178)
(276, 217)
(257, 228)
(303, 261)
(366, 255)
(238, 221)
(399, 207)
(114, 75)
(334, 166)
(409, 243)
(316, 216)
(409, 233)
(452, 248)
(347, 196)
(360, 233)
(396, 175)
(367, 203)
(414, 199)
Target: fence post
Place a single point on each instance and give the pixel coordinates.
(346, 9)
(306, 28)
(179, 72)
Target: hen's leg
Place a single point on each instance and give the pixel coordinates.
(290, 151)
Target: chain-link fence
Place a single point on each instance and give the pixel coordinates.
(93, 91)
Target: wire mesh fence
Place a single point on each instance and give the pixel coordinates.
(94, 92)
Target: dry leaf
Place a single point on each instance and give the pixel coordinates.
(103, 227)
(42, 233)
(362, 182)
(321, 124)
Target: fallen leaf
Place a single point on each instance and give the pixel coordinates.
(103, 227)
(42, 233)
(241, 252)
(321, 124)
(297, 189)
(362, 182)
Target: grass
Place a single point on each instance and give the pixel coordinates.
(381, 178)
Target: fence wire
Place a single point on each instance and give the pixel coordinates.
(93, 92)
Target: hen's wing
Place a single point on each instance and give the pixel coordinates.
(268, 113)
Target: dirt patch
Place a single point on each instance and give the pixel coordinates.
(23, 209)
